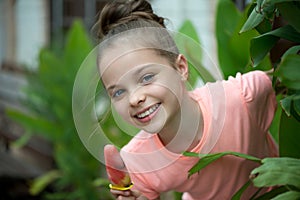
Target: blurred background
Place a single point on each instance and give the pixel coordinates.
(42, 44)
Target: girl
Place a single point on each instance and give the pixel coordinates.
(145, 75)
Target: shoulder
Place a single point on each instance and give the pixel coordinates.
(252, 84)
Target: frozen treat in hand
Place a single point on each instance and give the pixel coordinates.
(116, 170)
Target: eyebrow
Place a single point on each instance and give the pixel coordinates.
(138, 71)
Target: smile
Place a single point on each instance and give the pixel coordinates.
(148, 112)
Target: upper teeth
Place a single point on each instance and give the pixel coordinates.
(148, 112)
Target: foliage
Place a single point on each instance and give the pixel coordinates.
(233, 47)
(49, 114)
(286, 68)
(253, 34)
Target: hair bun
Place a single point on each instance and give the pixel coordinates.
(121, 11)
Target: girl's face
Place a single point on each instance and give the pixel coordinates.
(144, 88)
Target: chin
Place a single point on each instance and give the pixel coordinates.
(154, 127)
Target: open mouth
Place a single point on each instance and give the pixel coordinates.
(147, 112)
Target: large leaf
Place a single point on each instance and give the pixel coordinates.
(292, 50)
(290, 195)
(288, 8)
(189, 44)
(233, 48)
(290, 12)
(254, 19)
(288, 71)
(289, 137)
(277, 171)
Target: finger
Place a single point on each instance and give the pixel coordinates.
(125, 198)
(126, 193)
(135, 193)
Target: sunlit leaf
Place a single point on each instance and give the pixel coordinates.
(277, 171)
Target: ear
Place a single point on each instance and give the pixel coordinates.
(182, 66)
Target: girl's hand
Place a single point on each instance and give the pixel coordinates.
(128, 195)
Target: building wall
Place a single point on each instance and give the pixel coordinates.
(31, 30)
(202, 15)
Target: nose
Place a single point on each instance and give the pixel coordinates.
(137, 97)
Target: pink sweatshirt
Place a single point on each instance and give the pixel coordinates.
(237, 114)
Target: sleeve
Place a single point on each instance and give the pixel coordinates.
(259, 96)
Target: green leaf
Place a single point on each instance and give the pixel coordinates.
(272, 2)
(206, 159)
(34, 123)
(100, 182)
(189, 44)
(261, 45)
(289, 137)
(277, 171)
(238, 194)
(296, 104)
(294, 109)
(227, 19)
(292, 50)
(288, 71)
(189, 29)
(286, 104)
(233, 48)
(40, 183)
(290, 12)
(290, 195)
(23, 140)
(254, 19)
(274, 128)
(274, 192)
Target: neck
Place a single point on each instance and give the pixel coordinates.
(185, 130)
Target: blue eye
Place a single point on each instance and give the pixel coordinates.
(118, 93)
(147, 78)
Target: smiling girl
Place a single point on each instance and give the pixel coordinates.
(145, 77)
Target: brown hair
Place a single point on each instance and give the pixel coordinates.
(135, 21)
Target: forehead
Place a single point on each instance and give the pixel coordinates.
(119, 61)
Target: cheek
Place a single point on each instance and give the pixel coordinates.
(122, 117)
(122, 109)
(167, 88)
